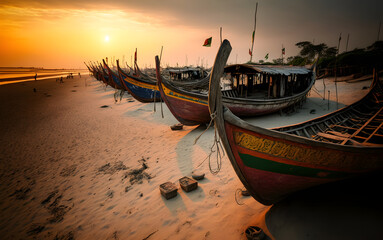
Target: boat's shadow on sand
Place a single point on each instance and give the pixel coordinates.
(349, 209)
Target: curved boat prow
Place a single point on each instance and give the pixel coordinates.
(215, 101)
(158, 71)
(274, 163)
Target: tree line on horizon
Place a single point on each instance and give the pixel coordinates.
(359, 59)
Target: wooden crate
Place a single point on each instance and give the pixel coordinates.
(188, 184)
(168, 190)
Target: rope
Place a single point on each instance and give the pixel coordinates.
(319, 105)
(217, 144)
(317, 91)
(220, 153)
(122, 94)
(212, 117)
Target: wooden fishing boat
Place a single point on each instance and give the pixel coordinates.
(94, 71)
(185, 73)
(189, 108)
(144, 89)
(114, 79)
(280, 87)
(89, 68)
(104, 76)
(273, 163)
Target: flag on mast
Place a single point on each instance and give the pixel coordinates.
(207, 42)
(283, 51)
(250, 53)
(267, 56)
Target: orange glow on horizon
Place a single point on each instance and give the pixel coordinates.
(64, 34)
(67, 38)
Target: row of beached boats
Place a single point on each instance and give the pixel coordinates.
(248, 90)
(271, 163)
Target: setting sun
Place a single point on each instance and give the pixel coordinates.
(106, 39)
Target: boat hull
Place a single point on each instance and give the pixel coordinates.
(141, 91)
(116, 81)
(275, 167)
(187, 109)
(248, 108)
(192, 109)
(272, 163)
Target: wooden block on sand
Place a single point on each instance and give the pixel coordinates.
(168, 190)
(188, 184)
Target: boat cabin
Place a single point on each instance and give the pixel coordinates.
(264, 81)
(186, 73)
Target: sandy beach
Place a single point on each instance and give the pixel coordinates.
(76, 165)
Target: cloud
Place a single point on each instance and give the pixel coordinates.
(197, 13)
(189, 22)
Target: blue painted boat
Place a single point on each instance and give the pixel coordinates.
(114, 79)
(144, 89)
(103, 76)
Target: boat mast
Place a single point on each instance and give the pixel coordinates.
(252, 39)
(220, 33)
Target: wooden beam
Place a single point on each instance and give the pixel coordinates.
(381, 124)
(364, 125)
(345, 135)
(338, 138)
(330, 136)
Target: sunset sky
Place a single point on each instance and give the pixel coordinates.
(64, 34)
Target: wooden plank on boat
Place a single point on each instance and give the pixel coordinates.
(364, 125)
(338, 138)
(374, 133)
(345, 135)
(330, 136)
(320, 127)
(306, 133)
(345, 127)
(313, 129)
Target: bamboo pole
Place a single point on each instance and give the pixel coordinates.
(348, 37)
(336, 58)
(220, 33)
(255, 25)
(328, 100)
(162, 111)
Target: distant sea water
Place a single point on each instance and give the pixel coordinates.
(15, 75)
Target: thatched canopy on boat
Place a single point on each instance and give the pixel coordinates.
(276, 80)
(186, 73)
(266, 69)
